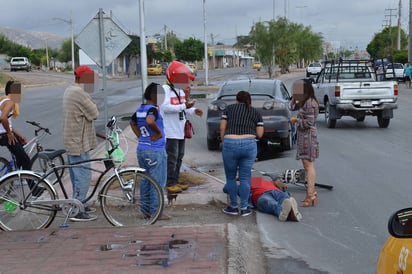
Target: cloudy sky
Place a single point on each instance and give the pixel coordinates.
(349, 23)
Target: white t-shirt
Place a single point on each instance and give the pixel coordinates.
(170, 109)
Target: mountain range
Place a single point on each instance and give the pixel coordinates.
(34, 40)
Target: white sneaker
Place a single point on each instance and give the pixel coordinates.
(286, 207)
(294, 213)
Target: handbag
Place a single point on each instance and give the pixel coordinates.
(189, 131)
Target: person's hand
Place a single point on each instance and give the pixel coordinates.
(23, 140)
(198, 112)
(11, 138)
(155, 136)
(294, 120)
(280, 185)
(190, 104)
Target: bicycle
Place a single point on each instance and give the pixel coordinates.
(292, 176)
(121, 200)
(32, 148)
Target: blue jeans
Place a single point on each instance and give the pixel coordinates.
(155, 164)
(175, 149)
(80, 176)
(238, 157)
(271, 201)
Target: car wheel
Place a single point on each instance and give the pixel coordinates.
(212, 144)
(330, 123)
(383, 122)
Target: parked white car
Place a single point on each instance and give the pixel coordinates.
(395, 71)
(313, 69)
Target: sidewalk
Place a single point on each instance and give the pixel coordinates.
(149, 249)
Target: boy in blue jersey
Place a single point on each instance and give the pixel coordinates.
(147, 125)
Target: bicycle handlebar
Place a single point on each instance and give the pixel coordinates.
(39, 128)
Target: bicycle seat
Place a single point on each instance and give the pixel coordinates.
(50, 155)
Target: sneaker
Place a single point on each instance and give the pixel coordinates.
(231, 211)
(173, 189)
(286, 207)
(183, 186)
(294, 214)
(83, 217)
(245, 212)
(88, 209)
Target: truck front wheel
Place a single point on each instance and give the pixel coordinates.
(330, 123)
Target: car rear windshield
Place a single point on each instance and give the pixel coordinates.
(18, 60)
(252, 88)
(396, 66)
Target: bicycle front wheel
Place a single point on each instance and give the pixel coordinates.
(132, 198)
(23, 205)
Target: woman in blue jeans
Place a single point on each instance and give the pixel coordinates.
(240, 126)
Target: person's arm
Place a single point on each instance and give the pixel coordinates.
(89, 108)
(133, 125)
(22, 139)
(172, 107)
(280, 185)
(222, 128)
(259, 131)
(151, 118)
(7, 107)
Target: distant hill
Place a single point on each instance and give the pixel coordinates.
(34, 40)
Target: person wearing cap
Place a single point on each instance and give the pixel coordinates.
(79, 135)
(176, 106)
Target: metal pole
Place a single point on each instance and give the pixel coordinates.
(103, 63)
(410, 33)
(205, 39)
(143, 53)
(72, 29)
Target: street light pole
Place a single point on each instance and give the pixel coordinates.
(205, 38)
(72, 35)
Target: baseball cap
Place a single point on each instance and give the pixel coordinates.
(79, 71)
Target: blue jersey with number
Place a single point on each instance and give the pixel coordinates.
(145, 131)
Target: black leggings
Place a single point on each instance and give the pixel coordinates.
(22, 159)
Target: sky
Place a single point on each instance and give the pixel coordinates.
(349, 24)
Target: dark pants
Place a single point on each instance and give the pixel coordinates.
(22, 159)
(175, 149)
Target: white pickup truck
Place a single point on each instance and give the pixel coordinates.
(351, 88)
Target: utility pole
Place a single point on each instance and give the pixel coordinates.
(398, 44)
(390, 25)
(206, 65)
(410, 33)
(165, 38)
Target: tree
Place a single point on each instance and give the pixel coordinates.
(282, 43)
(189, 50)
(65, 54)
(383, 43)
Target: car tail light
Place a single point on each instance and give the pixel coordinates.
(273, 104)
(395, 90)
(337, 91)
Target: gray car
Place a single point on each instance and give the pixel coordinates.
(270, 97)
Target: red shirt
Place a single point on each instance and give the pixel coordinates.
(258, 186)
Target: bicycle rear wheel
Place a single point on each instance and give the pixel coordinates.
(4, 167)
(41, 166)
(21, 206)
(137, 200)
